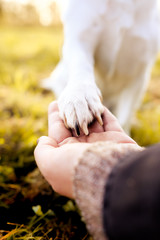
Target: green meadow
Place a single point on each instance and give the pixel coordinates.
(29, 209)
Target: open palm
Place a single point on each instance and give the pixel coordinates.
(57, 154)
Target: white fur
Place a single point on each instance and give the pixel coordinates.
(111, 44)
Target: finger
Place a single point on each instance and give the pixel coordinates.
(110, 122)
(53, 106)
(56, 127)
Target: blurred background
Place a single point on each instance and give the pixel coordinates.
(31, 36)
(29, 12)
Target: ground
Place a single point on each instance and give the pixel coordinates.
(29, 209)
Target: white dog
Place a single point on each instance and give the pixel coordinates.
(109, 45)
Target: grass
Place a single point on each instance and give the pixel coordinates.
(29, 209)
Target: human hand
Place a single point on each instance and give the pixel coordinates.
(57, 154)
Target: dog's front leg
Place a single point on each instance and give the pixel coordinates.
(80, 102)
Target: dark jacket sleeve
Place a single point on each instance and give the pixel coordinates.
(131, 209)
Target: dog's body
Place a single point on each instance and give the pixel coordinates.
(113, 43)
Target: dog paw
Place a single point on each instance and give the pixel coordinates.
(79, 105)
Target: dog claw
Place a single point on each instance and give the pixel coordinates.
(65, 122)
(99, 119)
(77, 131)
(85, 128)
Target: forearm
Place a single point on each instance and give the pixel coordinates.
(90, 177)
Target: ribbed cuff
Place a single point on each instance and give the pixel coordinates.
(90, 176)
